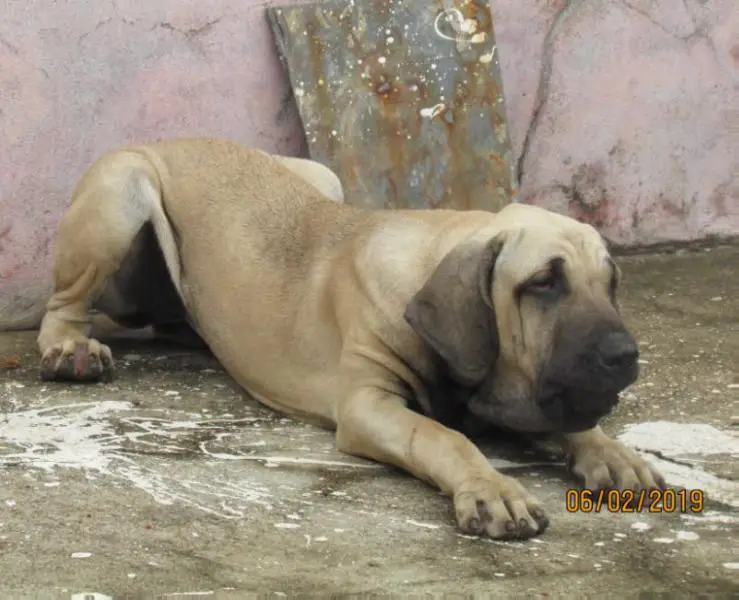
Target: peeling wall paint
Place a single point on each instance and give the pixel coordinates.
(624, 113)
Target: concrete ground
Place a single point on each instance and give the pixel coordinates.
(170, 483)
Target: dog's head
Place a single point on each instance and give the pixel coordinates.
(528, 319)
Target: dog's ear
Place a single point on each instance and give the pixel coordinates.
(453, 312)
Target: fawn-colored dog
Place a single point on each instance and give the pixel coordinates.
(373, 323)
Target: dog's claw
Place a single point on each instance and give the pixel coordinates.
(499, 507)
(542, 521)
(77, 361)
(604, 463)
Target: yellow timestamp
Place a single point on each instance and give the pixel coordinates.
(629, 501)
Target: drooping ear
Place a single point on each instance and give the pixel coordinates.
(453, 312)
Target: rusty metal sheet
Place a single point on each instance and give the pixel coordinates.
(402, 99)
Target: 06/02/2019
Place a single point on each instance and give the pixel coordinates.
(629, 501)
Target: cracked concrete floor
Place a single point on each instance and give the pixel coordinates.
(170, 483)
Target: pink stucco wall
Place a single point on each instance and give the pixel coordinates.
(625, 113)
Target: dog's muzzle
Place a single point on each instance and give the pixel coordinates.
(576, 396)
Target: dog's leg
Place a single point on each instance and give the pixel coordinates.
(111, 204)
(602, 462)
(376, 424)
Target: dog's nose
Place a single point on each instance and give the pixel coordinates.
(618, 350)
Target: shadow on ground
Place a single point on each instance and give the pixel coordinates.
(170, 483)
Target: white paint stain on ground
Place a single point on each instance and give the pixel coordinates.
(74, 436)
(424, 525)
(107, 438)
(96, 438)
(680, 439)
(687, 444)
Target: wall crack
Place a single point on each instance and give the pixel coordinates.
(542, 91)
(192, 32)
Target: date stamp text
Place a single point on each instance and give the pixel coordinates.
(629, 501)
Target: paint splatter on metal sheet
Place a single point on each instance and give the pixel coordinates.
(402, 99)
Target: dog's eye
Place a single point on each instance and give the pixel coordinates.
(547, 285)
(543, 284)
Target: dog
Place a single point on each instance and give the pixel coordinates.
(377, 324)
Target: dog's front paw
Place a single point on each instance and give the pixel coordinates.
(498, 506)
(83, 361)
(603, 463)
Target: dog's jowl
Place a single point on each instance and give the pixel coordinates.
(348, 318)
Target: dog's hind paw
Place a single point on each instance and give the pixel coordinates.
(81, 361)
